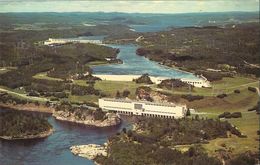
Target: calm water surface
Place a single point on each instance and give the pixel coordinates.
(54, 150)
(136, 65)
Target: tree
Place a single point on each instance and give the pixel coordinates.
(197, 117)
(188, 112)
(118, 95)
(90, 82)
(144, 79)
(126, 93)
(98, 114)
(124, 130)
(129, 133)
(172, 83)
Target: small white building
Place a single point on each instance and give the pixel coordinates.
(202, 82)
(140, 38)
(142, 108)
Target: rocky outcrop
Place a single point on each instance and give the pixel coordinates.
(24, 137)
(110, 119)
(89, 151)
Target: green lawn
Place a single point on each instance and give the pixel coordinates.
(21, 94)
(108, 87)
(2, 71)
(43, 75)
(94, 63)
(6, 69)
(232, 103)
(226, 85)
(248, 125)
(111, 87)
(16, 90)
(81, 99)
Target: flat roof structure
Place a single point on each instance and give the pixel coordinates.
(143, 108)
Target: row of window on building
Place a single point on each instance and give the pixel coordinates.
(117, 107)
(193, 82)
(160, 112)
(144, 114)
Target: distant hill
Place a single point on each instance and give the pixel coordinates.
(162, 21)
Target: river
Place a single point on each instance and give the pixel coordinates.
(54, 150)
(136, 65)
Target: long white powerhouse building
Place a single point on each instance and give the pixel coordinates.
(142, 108)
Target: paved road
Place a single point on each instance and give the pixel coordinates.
(23, 95)
(243, 86)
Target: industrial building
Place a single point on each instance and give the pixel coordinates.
(142, 108)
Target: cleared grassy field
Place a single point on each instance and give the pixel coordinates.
(233, 102)
(248, 125)
(6, 69)
(107, 87)
(81, 99)
(94, 63)
(2, 71)
(43, 75)
(111, 87)
(211, 107)
(20, 94)
(226, 85)
(16, 90)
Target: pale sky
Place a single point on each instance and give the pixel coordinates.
(130, 6)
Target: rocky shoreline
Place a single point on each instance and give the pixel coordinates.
(89, 151)
(110, 120)
(27, 137)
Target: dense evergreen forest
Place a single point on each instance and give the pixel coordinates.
(18, 124)
(60, 62)
(230, 49)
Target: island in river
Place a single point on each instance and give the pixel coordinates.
(17, 125)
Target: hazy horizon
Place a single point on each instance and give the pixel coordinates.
(132, 6)
(128, 12)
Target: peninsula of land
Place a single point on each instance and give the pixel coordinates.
(30, 126)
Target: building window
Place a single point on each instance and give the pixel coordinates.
(138, 106)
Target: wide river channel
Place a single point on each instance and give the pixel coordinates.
(54, 150)
(136, 65)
